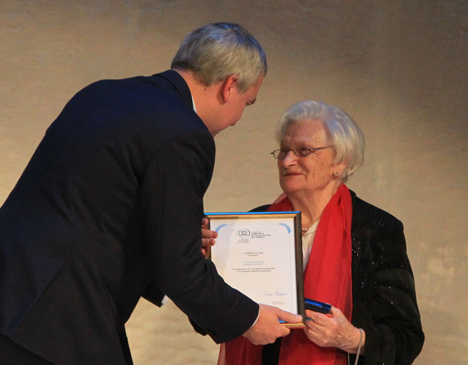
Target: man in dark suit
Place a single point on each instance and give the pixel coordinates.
(109, 208)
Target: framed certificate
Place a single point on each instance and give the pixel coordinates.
(260, 254)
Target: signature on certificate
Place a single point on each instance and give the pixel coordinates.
(275, 293)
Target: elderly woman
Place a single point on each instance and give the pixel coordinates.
(354, 253)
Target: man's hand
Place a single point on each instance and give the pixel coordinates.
(208, 237)
(268, 328)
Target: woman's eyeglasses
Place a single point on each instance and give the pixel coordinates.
(281, 153)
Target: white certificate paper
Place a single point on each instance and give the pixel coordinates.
(260, 254)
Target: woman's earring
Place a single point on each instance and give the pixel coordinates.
(336, 174)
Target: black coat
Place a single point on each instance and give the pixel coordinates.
(384, 297)
(108, 210)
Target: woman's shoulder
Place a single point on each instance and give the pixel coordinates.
(370, 215)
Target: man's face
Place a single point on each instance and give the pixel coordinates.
(232, 109)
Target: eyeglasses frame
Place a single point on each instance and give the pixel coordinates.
(310, 149)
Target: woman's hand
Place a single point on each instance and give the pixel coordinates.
(333, 330)
(208, 237)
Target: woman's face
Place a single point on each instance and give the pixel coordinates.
(313, 173)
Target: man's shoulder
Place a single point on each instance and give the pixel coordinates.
(166, 82)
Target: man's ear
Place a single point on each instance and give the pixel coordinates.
(228, 87)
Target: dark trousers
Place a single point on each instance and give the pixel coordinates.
(13, 354)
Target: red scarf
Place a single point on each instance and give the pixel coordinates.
(327, 279)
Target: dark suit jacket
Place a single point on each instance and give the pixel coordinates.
(384, 296)
(109, 210)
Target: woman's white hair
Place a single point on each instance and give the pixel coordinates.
(346, 137)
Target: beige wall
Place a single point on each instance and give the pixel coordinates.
(398, 67)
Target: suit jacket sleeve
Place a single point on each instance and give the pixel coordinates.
(172, 208)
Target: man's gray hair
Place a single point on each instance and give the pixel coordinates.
(346, 137)
(215, 51)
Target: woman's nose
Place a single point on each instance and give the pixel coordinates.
(289, 159)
